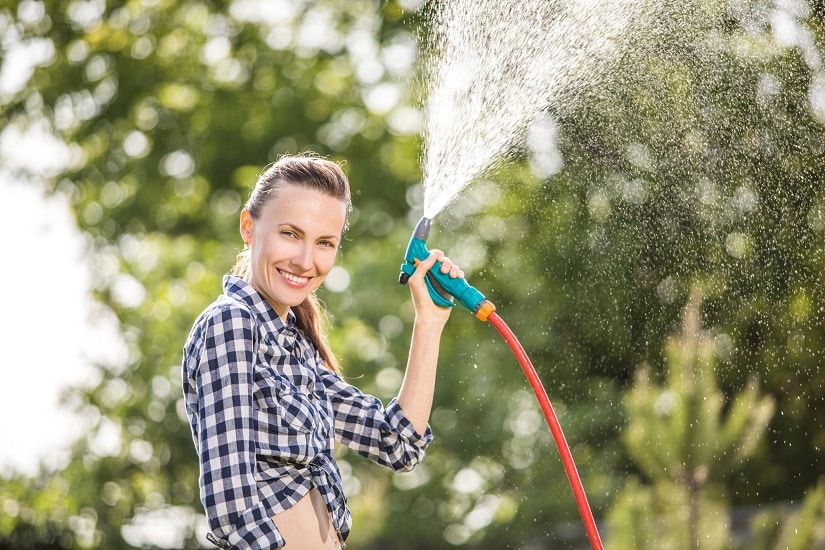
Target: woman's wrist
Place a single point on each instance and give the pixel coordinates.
(431, 324)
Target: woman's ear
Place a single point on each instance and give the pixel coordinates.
(246, 227)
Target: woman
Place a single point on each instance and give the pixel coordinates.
(263, 393)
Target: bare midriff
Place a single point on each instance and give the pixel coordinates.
(307, 525)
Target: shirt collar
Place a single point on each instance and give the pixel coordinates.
(238, 289)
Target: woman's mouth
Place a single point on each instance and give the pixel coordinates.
(292, 278)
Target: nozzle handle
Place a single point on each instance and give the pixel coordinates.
(437, 283)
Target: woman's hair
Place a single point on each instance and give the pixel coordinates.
(312, 172)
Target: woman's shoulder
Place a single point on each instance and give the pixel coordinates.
(220, 321)
(227, 307)
(223, 313)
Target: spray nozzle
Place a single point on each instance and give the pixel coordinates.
(441, 285)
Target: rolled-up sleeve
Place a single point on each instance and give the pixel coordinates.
(222, 374)
(382, 434)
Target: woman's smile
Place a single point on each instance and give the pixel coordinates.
(295, 279)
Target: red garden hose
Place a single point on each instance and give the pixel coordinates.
(555, 428)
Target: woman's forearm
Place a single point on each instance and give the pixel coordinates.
(416, 394)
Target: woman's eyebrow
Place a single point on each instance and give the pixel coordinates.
(290, 226)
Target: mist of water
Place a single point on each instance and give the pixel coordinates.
(492, 67)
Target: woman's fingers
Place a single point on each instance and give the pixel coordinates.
(447, 266)
(427, 263)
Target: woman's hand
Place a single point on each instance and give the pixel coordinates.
(425, 308)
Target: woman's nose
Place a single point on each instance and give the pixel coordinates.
(303, 258)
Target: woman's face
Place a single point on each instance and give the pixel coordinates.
(293, 243)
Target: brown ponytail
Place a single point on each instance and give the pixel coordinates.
(314, 172)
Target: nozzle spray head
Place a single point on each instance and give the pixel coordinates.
(440, 285)
(422, 229)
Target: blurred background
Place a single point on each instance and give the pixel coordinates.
(659, 252)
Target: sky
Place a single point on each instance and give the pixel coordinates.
(48, 341)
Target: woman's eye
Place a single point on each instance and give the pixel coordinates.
(327, 243)
(287, 233)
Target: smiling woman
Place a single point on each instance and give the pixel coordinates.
(264, 395)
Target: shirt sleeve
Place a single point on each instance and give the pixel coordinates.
(382, 434)
(226, 433)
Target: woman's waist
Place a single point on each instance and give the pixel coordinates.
(308, 523)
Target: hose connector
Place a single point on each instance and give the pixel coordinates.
(441, 286)
(484, 310)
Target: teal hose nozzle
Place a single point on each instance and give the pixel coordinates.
(440, 285)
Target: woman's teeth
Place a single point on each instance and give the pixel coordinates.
(294, 278)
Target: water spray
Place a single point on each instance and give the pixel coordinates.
(443, 289)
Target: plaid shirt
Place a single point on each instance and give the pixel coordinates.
(265, 413)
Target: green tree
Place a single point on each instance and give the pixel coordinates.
(685, 439)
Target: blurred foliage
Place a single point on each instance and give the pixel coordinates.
(797, 526)
(681, 440)
(700, 160)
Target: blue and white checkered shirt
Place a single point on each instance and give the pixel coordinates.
(265, 413)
